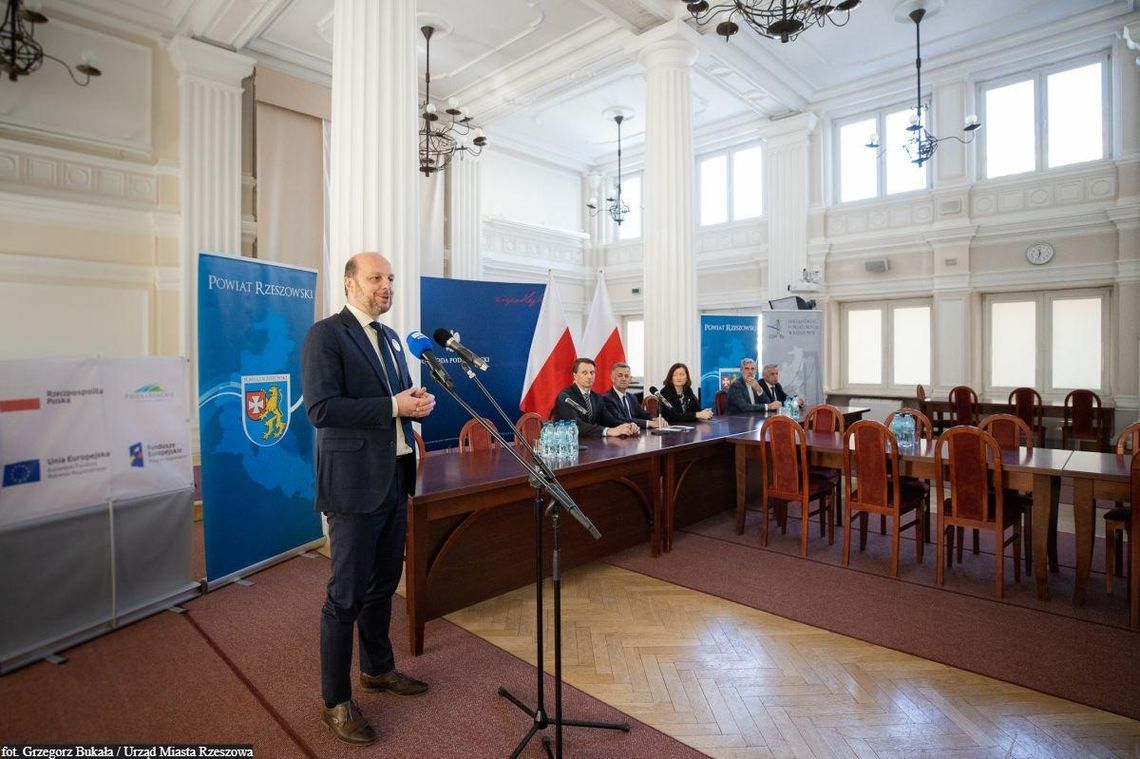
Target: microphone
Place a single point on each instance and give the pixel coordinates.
(660, 399)
(446, 338)
(575, 405)
(420, 347)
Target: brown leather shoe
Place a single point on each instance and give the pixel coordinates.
(394, 682)
(348, 724)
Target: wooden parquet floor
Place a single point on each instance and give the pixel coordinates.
(732, 681)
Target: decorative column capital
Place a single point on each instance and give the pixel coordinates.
(792, 131)
(203, 61)
(671, 45)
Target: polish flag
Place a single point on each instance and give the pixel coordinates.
(602, 339)
(551, 356)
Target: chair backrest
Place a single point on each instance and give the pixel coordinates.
(649, 403)
(965, 403)
(1130, 434)
(528, 427)
(922, 425)
(1009, 431)
(474, 438)
(867, 462)
(1083, 412)
(421, 451)
(720, 402)
(1135, 471)
(920, 397)
(784, 461)
(1025, 403)
(974, 469)
(824, 418)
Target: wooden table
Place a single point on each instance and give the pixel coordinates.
(1105, 476)
(1038, 471)
(942, 411)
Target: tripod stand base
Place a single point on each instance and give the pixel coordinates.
(542, 721)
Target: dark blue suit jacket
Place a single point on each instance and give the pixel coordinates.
(348, 402)
(640, 416)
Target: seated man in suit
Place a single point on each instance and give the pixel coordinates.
(771, 393)
(744, 394)
(622, 405)
(578, 403)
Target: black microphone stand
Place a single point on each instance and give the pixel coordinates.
(542, 478)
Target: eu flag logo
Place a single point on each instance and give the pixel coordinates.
(22, 472)
(136, 451)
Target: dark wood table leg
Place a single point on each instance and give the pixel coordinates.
(1134, 569)
(1044, 487)
(415, 575)
(741, 483)
(670, 485)
(655, 507)
(1084, 512)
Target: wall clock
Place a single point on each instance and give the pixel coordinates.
(1039, 253)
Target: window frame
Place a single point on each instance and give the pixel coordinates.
(1040, 78)
(880, 117)
(730, 178)
(1043, 379)
(625, 322)
(887, 324)
(640, 177)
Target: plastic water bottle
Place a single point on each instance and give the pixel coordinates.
(573, 442)
(910, 431)
(564, 440)
(542, 445)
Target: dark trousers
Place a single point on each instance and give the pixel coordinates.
(367, 558)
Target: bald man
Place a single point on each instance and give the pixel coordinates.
(360, 397)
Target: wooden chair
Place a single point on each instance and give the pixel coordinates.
(874, 462)
(964, 401)
(937, 425)
(976, 498)
(1118, 520)
(786, 477)
(649, 403)
(827, 418)
(1084, 418)
(720, 403)
(923, 428)
(1011, 433)
(421, 452)
(1025, 403)
(473, 437)
(528, 428)
(1134, 586)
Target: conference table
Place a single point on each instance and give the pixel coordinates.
(942, 413)
(471, 529)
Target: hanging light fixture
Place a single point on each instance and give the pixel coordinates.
(615, 207)
(921, 144)
(20, 54)
(441, 139)
(775, 19)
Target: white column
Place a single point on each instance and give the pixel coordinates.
(374, 198)
(668, 53)
(465, 219)
(957, 359)
(786, 195)
(210, 111)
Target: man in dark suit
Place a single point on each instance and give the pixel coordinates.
(744, 394)
(771, 393)
(621, 403)
(578, 403)
(360, 397)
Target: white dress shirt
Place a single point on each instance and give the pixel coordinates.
(365, 320)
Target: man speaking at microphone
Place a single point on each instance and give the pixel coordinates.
(579, 404)
(359, 395)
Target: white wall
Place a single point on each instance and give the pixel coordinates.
(529, 192)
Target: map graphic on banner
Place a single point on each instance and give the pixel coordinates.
(498, 319)
(258, 447)
(77, 432)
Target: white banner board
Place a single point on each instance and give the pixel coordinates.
(793, 341)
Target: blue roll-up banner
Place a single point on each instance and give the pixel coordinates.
(497, 320)
(725, 341)
(258, 448)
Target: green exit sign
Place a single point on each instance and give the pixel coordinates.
(636, 291)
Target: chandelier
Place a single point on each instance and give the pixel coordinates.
(772, 18)
(20, 54)
(441, 139)
(615, 207)
(921, 144)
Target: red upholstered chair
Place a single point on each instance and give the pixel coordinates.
(923, 428)
(874, 463)
(964, 401)
(827, 418)
(473, 437)
(649, 403)
(786, 477)
(1118, 520)
(1011, 433)
(528, 428)
(720, 402)
(1084, 418)
(1025, 403)
(976, 498)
